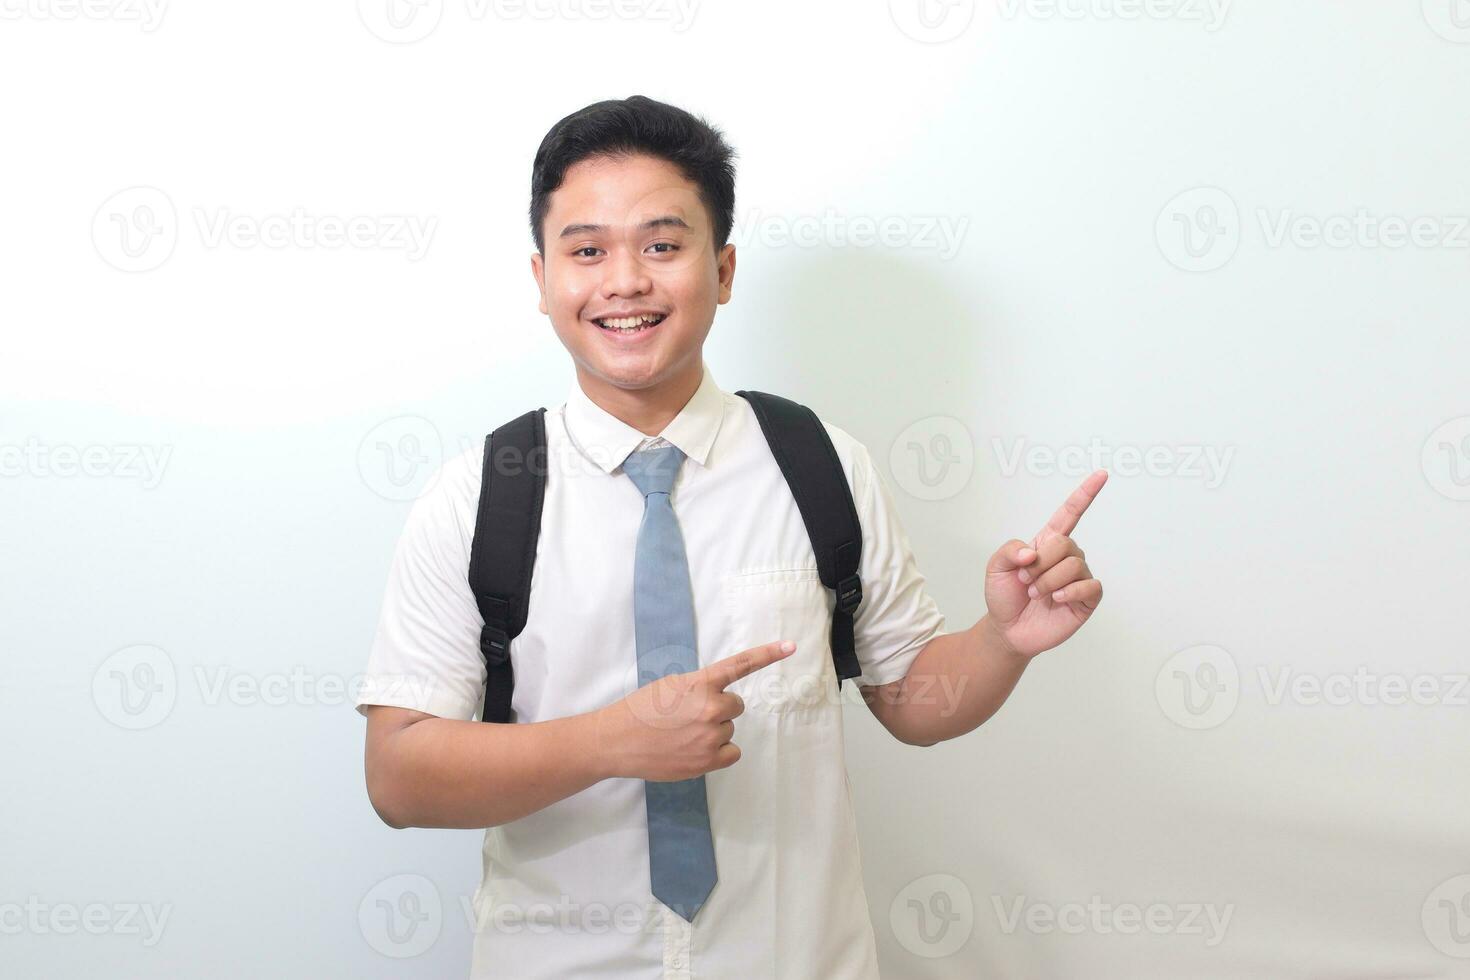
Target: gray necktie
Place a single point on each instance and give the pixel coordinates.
(681, 853)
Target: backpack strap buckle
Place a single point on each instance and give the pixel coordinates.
(495, 645)
(849, 593)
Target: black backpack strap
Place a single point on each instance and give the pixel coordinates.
(503, 555)
(804, 451)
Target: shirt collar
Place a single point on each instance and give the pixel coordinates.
(607, 440)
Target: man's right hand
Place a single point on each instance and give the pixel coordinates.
(680, 726)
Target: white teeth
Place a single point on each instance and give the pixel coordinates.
(628, 323)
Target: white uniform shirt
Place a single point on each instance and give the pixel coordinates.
(565, 891)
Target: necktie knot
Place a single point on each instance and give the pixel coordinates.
(654, 470)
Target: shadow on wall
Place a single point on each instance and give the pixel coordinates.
(871, 342)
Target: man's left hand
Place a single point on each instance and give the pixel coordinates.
(1039, 592)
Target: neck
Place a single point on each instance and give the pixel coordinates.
(649, 410)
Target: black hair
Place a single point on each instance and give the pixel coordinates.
(623, 127)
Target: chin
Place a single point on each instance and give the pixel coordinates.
(625, 374)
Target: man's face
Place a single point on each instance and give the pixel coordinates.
(630, 236)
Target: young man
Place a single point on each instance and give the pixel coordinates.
(699, 824)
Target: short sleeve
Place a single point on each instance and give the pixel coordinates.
(897, 615)
(425, 653)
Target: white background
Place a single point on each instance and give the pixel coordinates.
(180, 636)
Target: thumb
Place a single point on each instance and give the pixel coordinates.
(1010, 556)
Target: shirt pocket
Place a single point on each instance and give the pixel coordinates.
(767, 605)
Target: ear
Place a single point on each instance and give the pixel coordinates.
(726, 272)
(538, 270)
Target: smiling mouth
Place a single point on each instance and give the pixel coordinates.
(632, 324)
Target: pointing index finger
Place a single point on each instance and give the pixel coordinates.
(1072, 509)
(731, 669)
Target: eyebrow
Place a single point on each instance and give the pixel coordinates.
(668, 220)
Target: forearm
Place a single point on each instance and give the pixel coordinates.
(441, 772)
(954, 685)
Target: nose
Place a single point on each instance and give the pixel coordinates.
(624, 274)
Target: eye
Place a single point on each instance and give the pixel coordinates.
(586, 248)
(668, 245)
